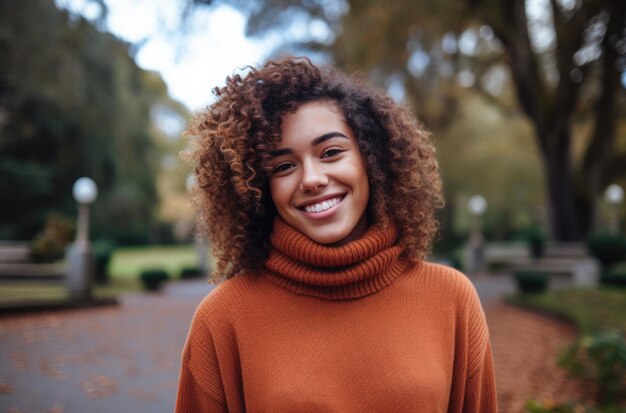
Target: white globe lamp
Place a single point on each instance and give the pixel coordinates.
(80, 272)
(85, 190)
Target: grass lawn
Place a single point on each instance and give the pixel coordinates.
(128, 263)
(18, 291)
(591, 310)
(124, 269)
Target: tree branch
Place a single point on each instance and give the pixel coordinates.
(509, 22)
(600, 147)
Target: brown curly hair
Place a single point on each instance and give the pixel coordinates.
(232, 140)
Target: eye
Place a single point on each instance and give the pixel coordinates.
(282, 167)
(330, 152)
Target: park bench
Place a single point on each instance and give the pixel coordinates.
(16, 265)
(504, 256)
(559, 259)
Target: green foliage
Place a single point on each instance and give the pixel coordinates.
(152, 280)
(614, 277)
(73, 103)
(49, 245)
(599, 355)
(531, 282)
(102, 251)
(536, 240)
(600, 358)
(592, 310)
(533, 406)
(190, 273)
(609, 249)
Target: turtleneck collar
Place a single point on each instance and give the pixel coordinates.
(356, 269)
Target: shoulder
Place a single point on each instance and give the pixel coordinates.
(225, 297)
(462, 291)
(231, 299)
(445, 279)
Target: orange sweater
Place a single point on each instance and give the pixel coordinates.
(339, 329)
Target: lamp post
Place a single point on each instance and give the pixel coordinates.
(614, 194)
(80, 272)
(477, 206)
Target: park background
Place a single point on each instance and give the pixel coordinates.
(525, 100)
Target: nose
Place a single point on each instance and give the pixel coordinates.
(313, 177)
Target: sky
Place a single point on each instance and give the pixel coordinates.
(191, 64)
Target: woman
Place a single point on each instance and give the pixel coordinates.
(317, 194)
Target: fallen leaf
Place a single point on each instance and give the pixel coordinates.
(57, 408)
(6, 388)
(99, 386)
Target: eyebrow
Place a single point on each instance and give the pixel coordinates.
(314, 142)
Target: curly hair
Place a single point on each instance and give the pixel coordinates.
(233, 138)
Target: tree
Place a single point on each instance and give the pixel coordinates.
(574, 79)
(73, 103)
(590, 29)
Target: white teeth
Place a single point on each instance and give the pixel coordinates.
(322, 206)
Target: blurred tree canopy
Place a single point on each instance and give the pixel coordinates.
(556, 62)
(73, 103)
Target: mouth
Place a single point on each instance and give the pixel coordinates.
(321, 206)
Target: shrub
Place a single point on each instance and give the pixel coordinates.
(102, 252)
(190, 272)
(609, 249)
(50, 243)
(152, 280)
(536, 240)
(614, 277)
(529, 282)
(601, 358)
(533, 406)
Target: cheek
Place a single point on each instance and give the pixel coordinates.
(362, 178)
(279, 192)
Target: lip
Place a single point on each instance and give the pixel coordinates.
(320, 199)
(324, 214)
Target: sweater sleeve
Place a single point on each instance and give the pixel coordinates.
(480, 392)
(193, 398)
(480, 386)
(200, 387)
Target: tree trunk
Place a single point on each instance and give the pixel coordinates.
(560, 187)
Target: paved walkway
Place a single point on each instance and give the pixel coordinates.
(126, 358)
(116, 359)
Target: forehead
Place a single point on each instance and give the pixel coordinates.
(311, 120)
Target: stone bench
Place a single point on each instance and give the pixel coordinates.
(559, 259)
(11, 251)
(504, 256)
(15, 265)
(566, 259)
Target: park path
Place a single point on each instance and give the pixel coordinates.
(123, 358)
(126, 358)
(525, 349)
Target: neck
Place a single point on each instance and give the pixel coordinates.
(352, 270)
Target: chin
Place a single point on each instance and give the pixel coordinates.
(328, 237)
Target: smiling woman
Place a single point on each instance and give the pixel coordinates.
(319, 181)
(318, 193)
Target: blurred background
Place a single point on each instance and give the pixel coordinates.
(525, 99)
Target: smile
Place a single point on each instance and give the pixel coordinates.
(323, 206)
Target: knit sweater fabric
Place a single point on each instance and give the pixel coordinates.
(354, 328)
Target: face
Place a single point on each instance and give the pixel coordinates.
(318, 177)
